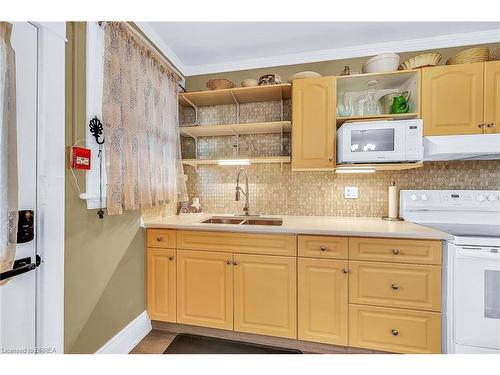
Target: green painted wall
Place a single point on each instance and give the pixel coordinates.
(104, 259)
(325, 68)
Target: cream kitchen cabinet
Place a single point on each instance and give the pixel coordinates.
(265, 295)
(461, 99)
(161, 284)
(313, 123)
(205, 288)
(323, 300)
(492, 97)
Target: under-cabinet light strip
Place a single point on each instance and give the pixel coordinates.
(234, 162)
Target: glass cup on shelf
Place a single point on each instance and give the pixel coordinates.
(371, 107)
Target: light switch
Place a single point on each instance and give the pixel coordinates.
(351, 192)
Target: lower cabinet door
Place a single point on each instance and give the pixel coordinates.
(205, 289)
(394, 330)
(265, 295)
(323, 301)
(161, 284)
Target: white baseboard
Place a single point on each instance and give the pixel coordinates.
(125, 340)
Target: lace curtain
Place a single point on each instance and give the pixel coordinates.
(8, 151)
(140, 117)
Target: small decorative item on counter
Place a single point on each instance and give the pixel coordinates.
(196, 206)
(393, 209)
(305, 74)
(344, 106)
(269, 79)
(469, 56)
(249, 82)
(421, 61)
(219, 83)
(346, 71)
(386, 62)
(400, 103)
(184, 208)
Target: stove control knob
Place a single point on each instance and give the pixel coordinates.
(492, 198)
(480, 198)
(413, 197)
(424, 197)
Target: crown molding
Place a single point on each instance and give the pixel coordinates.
(442, 41)
(160, 43)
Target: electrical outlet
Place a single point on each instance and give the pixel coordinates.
(351, 192)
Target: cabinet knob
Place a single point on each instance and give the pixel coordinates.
(395, 332)
(395, 286)
(322, 248)
(159, 239)
(481, 125)
(395, 251)
(345, 270)
(228, 262)
(235, 263)
(170, 258)
(490, 125)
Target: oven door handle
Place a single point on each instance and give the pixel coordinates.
(478, 253)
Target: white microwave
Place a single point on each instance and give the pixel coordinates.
(380, 142)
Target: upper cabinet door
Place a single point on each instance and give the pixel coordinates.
(452, 99)
(313, 123)
(492, 97)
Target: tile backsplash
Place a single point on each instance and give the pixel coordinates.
(276, 192)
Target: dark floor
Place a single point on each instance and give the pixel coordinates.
(156, 342)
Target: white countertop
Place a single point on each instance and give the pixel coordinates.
(325, 225)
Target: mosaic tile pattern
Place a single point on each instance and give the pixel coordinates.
(226, 114)
(277, 192)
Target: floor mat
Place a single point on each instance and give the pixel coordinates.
(193, 344)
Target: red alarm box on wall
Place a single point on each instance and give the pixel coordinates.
(80, 158)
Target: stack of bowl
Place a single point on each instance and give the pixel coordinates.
(469, 56)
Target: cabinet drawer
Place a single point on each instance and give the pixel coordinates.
(395, 285)
(394, 330)
(165, 238)
(323, 247)
(395, 250)
(248, 243)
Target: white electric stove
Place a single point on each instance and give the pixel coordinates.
(471, 262)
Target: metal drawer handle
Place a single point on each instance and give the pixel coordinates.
(170, 258)
(395, 286)
(323, 248)
(395, 332)
(395, 251)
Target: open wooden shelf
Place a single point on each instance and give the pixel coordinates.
(252, 160)
(271, 127)
(236, 95)
(387, 80)
(391, 116)
(382, 166)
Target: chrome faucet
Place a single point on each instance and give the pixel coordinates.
(239, 190)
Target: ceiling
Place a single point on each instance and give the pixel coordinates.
(209, 47)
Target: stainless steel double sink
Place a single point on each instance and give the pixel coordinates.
(243, 220)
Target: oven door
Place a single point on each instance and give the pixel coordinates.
(372, 143)
(477, 296)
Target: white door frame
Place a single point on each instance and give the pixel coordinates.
(50, 185)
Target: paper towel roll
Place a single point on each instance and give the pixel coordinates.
(393, 202)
